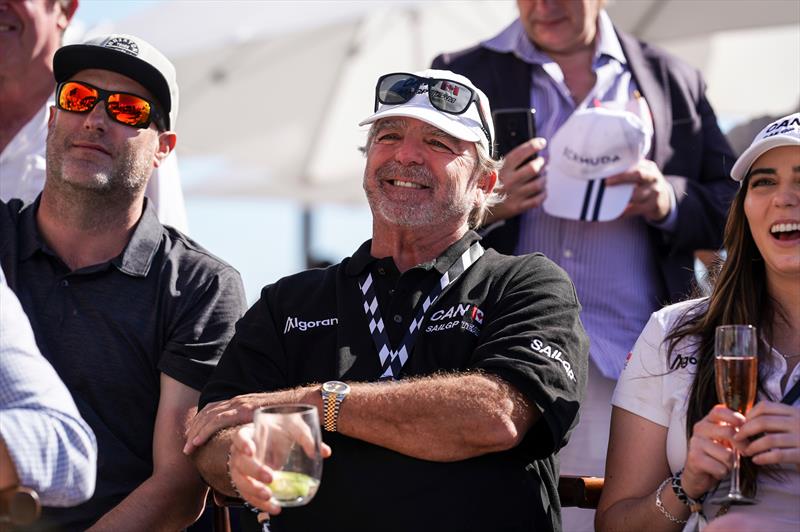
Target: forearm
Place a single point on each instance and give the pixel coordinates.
(159, 503)
(642, 514)
(65, 475)
(212, 461)
(210, 458)
(450, 417)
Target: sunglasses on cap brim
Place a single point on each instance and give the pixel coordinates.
(445, 95)
(123, 107)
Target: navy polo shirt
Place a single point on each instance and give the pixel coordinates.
(164, 305)
(513, 317)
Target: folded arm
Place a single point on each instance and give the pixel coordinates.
(466, 415)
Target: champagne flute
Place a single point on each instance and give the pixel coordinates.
(736, 367)
(288, 441)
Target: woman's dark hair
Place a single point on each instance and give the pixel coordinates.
(739, 296)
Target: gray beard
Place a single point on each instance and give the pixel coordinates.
(411, 215)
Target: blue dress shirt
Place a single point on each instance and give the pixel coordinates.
(53, 449)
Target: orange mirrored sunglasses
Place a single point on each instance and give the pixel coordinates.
(122, 107)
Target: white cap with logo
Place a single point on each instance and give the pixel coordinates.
(464, 126)
(591, 145)
(782, 132)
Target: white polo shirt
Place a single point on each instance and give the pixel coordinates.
(22, 161)
(657, 390)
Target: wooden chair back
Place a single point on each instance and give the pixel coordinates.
(580, 492)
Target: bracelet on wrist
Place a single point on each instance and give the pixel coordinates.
(662, 508)
(235, 489)
(677, 488)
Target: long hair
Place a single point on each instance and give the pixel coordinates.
(739, 296)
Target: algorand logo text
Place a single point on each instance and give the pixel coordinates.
(297, 323)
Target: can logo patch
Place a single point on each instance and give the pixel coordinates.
(123, 44)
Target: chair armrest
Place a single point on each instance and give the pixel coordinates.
(581, 492)
(222, 500)
(222, 504)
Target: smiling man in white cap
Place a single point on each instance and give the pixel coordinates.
(450, 376)
(131, 314)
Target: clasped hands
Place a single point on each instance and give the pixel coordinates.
(524, 188)
(770, 435)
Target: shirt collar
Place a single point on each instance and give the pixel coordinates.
(362, 258)
(137, 256)
(514, 40)
(135, 259)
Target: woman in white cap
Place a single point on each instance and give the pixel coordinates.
(658, 477)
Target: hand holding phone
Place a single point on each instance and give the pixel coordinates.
(513, 127)
(523, 187)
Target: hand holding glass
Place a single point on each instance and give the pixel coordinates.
(288, 441)
(736, 366)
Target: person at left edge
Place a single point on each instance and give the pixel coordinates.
(133, 315)
(460, 434)
(44, 443)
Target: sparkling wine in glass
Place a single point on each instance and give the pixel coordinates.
(736, 366)
(288, 441)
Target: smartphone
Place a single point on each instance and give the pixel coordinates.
(513, 127)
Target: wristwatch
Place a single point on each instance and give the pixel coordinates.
(333, 393)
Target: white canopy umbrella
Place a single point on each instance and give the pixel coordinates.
(283, 110)
(658, 21)
(271, 92)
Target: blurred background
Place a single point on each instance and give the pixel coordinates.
(272, 92)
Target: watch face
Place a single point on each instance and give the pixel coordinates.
(335, 387)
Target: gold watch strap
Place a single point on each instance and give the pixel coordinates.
(330, 412)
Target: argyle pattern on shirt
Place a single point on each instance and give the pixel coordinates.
(392, 360)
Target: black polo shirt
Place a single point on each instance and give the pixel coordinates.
(514, 317)
(164, 305)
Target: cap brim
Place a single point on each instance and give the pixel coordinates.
(756, 150)
(71, 59)
(585, 200)
(435, 118)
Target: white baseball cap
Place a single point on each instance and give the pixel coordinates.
(782, 132)
(591, 145)
(465, 126)
(127, 55)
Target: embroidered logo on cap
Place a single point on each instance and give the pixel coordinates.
(123, 44)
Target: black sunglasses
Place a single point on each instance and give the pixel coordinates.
(123, 107)
(445, 95)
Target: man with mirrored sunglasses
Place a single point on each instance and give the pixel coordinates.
(446, 376)
(33, 32)
(132, 314)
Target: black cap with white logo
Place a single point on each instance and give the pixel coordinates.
(127, 55)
